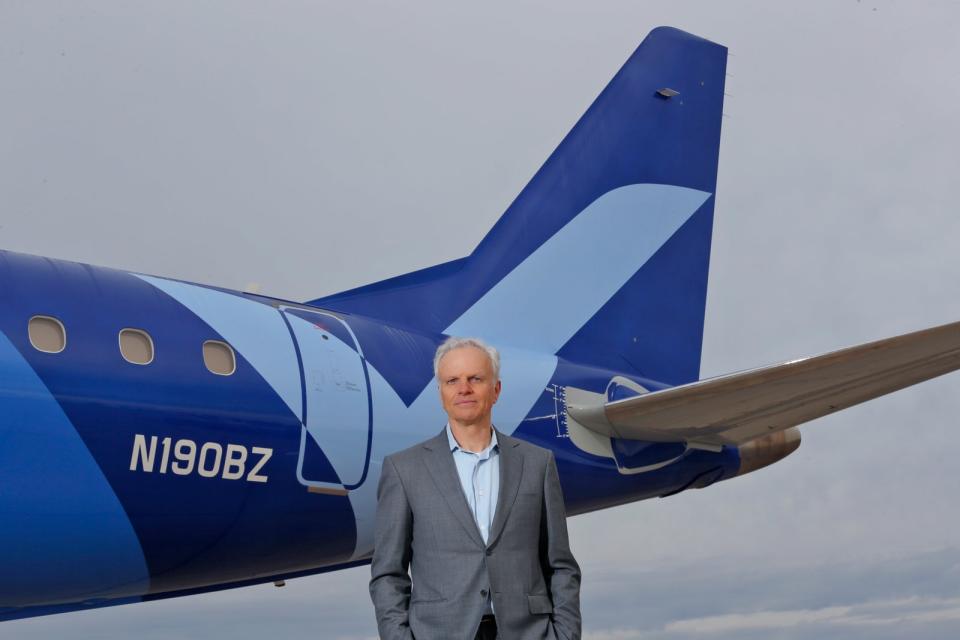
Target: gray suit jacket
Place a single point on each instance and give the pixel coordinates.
(424, 524)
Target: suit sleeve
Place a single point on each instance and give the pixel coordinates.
(559, 566)
(389, 576)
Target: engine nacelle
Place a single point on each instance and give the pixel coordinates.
(766, 450)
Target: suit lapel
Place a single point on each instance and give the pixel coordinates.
(511, 470)
(444, 473)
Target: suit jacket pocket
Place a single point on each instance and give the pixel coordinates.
(540, 604)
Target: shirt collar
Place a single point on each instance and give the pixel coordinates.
(454, 445)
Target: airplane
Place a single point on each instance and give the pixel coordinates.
(162, 438)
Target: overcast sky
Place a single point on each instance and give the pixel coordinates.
(314, 146)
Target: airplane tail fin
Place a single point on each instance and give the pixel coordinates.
(603, 256)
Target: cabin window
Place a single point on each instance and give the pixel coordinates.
(47, 334)
(136, 346)
(219, 357)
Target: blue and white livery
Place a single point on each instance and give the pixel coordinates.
(161, 438)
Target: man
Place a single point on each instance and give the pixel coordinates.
(479, 518)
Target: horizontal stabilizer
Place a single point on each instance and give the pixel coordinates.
(736, 408)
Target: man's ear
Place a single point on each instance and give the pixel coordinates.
(497, 389)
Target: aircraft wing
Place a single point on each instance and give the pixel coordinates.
(736, 408)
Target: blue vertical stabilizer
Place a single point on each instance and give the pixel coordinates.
(603, 257)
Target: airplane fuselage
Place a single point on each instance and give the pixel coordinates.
(132, 481)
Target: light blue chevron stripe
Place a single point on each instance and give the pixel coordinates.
(257, 331)
(545, 300)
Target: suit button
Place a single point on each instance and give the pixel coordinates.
(489, 552)
(483, 592)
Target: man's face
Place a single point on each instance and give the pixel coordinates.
(468, 389)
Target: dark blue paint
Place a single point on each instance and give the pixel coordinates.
(402, 356)
(653, 326)
(631, 454)
(49, 476)
(315, 466)
(191, 528)
(617, 391)
(329, 324)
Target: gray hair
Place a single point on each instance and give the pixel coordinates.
(454, 342)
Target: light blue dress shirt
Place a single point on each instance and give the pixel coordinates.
(480, 479)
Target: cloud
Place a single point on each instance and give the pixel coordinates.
(913, 617)
(909, 610)
(725, 598)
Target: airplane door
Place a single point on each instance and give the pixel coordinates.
(337, 421)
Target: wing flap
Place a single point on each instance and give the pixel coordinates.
(736, 408)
